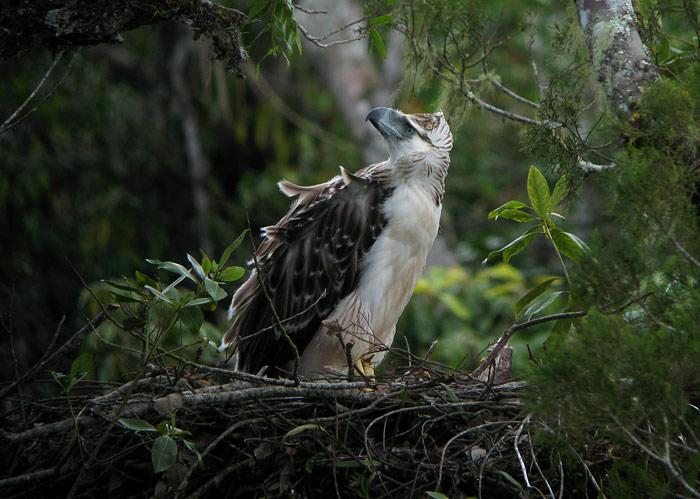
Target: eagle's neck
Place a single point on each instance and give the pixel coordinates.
(427, 169)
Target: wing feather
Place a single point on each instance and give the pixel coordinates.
(309, 262)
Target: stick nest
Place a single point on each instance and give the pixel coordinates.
(427, 430)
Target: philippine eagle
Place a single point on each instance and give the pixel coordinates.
(346, 255)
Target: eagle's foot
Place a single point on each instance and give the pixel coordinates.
(366, 370)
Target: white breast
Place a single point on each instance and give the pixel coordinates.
(396, 260)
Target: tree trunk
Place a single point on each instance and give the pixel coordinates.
(620, 59)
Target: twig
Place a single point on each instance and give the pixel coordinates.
(517, 450)
(183, 485)
(9, 121)
(515, 328)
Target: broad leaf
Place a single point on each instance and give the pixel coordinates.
(386, 18)
(436, 495)
(515, 246)
(540, 303)
(531, 295)
(163, 453)
(558, 193)
(517, 215)
(231, 274)
(569, 245)
(173, 267)
(377, 42)
(137, 425)
(231, 247)
(206, 262)
(191, 319)
(538, 192)
(510, 205)
(214, 290)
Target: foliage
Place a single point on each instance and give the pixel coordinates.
(162, 322)
(627, 376)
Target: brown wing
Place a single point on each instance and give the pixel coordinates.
(309, 261)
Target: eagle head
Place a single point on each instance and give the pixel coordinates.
(411, 135)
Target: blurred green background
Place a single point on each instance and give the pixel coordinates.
(149, 149)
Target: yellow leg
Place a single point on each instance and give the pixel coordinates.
(368, 368)
(359, 365)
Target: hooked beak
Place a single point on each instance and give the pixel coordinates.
(390, 123)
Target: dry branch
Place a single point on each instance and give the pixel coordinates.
(61, 24)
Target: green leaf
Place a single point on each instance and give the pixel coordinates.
(517, 215)
(197, 301)
(510, 205)
(538, 192)
(540, 303)
(558, 193)
(377, 42)
(137, 425)
(206, 262)
(515, 246)
(143, 279)
(569, 245)
(158, 294)
(173, 267)
(196, 266)
(231, 248)
(231, 274)
(214, 290)
(436, 495)
(531, 295)
(258, 7)
(191, 319)
(386, 18)
(163, 453)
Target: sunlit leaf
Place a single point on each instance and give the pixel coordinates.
(386, 18)
(558, 193)
(377, 42)
(231, 274)
(538, 192)
(569, 245)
